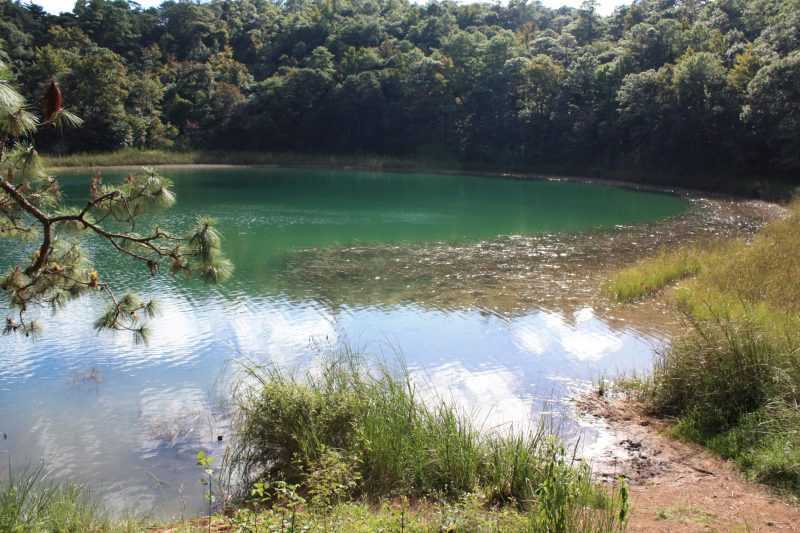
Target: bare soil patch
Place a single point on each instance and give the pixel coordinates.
(675, 485)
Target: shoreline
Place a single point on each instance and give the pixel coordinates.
(717, 186)
(685, 192)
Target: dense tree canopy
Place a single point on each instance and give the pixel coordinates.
(671, 86)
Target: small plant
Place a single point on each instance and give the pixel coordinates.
(332, 478)
(206, 463)
(568, 501)
(276, 506)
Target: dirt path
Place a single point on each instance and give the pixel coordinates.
(678, 486)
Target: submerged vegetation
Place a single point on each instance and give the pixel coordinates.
(732, 382)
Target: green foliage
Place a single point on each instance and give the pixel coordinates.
(31, 503)
(566, 500)
(466, 515)
(654, 89)
(332, 478)
(58, 270)
(772, 107)
(653, 274)
(346, 431)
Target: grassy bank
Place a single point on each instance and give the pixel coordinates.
(733, 381)
(348, 434)
(650, 276)
(138, 157)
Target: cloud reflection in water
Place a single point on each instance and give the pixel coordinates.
(135, 433)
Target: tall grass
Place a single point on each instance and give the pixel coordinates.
(732, 384)
(366, 430)
(651, 275)
(31, 503)
(123, 157)
(733, 380)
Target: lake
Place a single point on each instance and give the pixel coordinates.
(481, 285)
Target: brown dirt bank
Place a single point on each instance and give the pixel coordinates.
(675, 485)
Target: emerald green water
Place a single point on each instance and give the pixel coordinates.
(267, 213)
(386, 262)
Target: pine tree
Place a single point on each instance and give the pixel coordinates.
(31, 209)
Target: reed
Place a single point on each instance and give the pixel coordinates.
(32, 503)
(388, 443)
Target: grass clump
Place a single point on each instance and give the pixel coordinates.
(732, 384)
(347, 433)
(733, 380)
(651, 275)
(30, 503)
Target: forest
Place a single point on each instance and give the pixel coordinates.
(683, 88)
